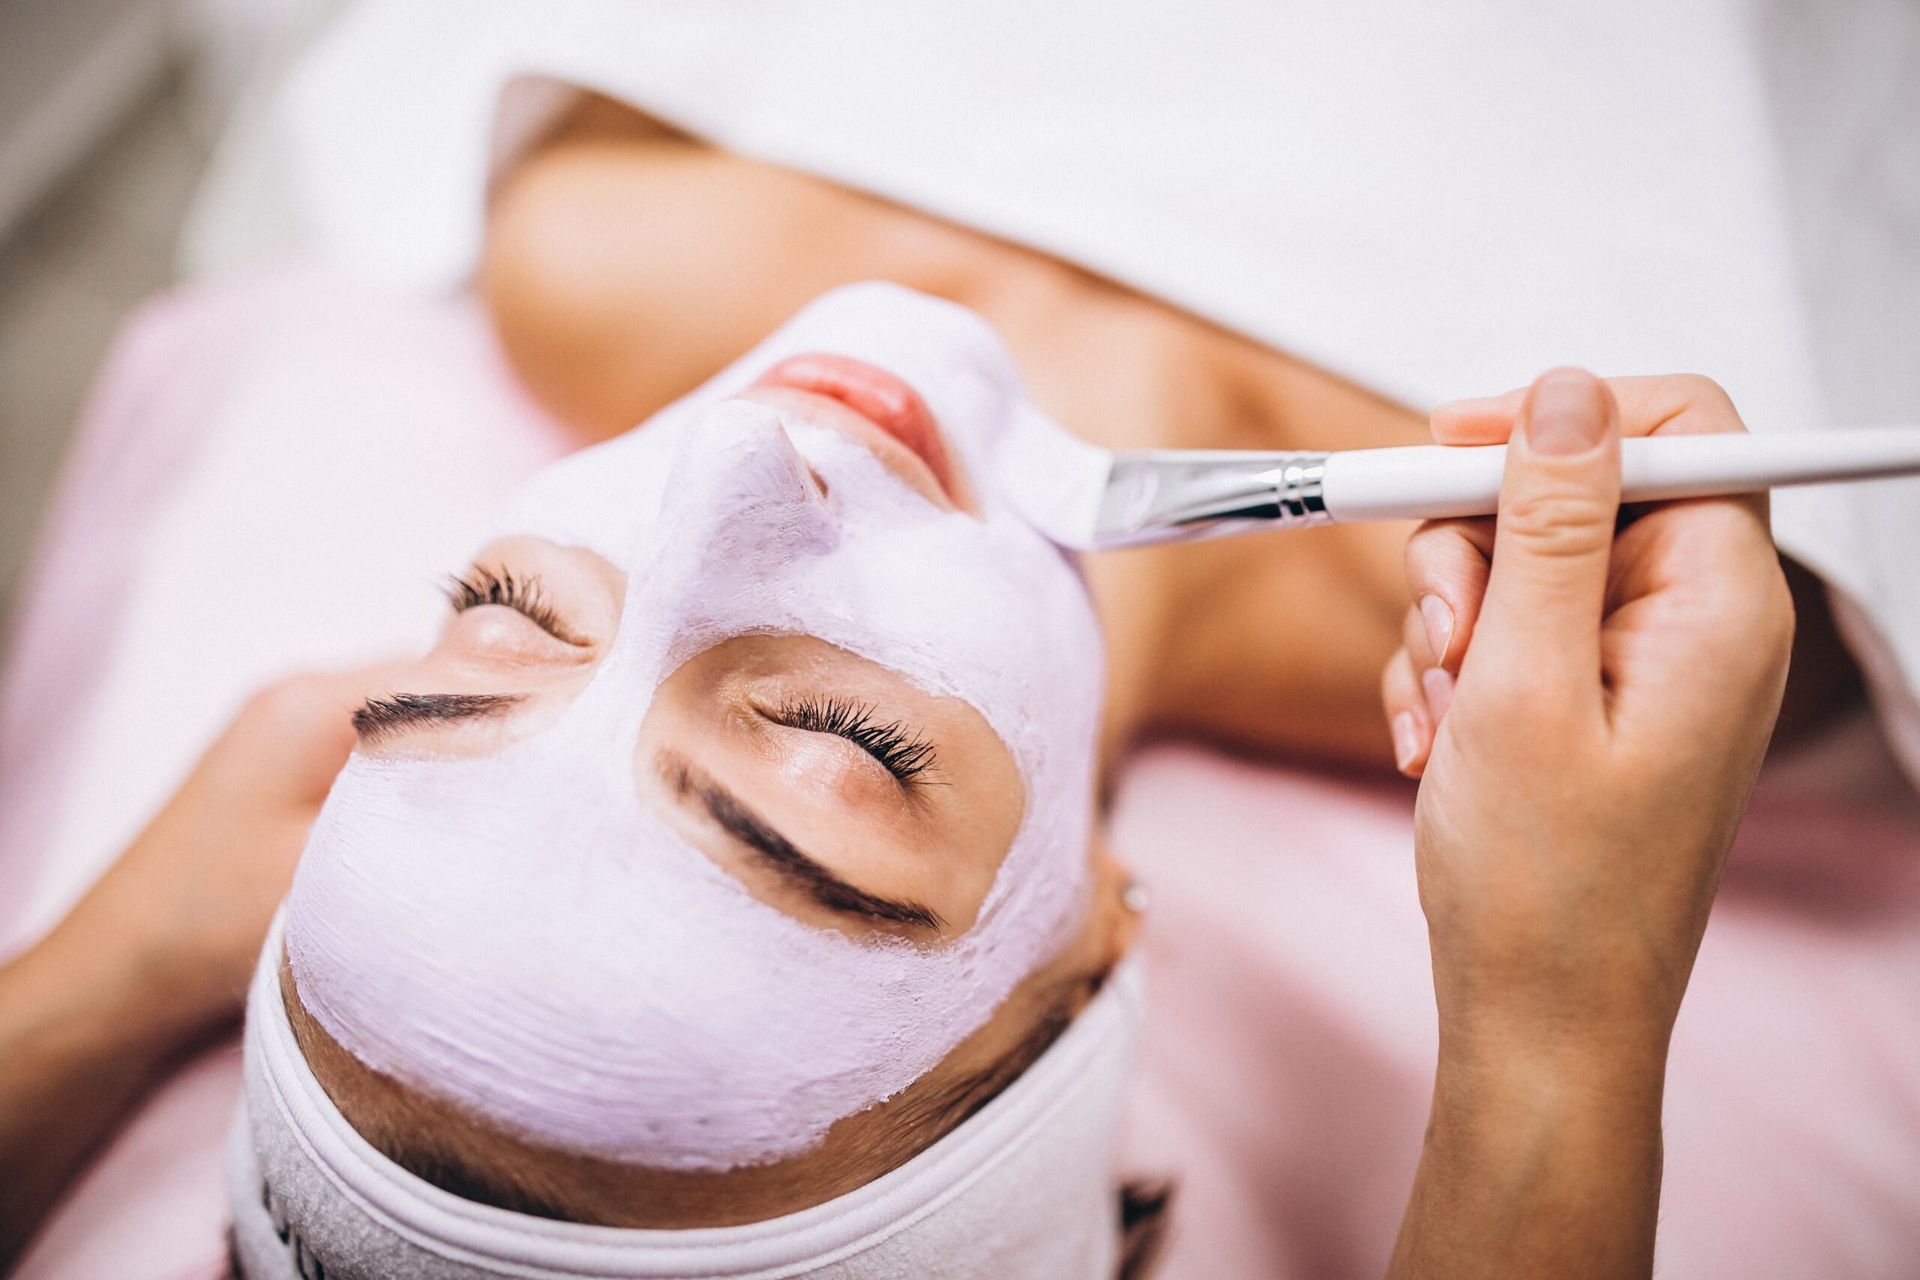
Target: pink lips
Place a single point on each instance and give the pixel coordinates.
(881, 398)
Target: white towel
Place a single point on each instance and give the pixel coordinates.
(1433, 200)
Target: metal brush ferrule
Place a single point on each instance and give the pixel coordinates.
(1177, 496)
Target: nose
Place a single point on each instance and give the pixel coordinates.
(740, 470)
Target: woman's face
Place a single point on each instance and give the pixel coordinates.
(749, 779)
(830, 786)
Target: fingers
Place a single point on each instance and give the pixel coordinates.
(1415, 691)
(1407, 718)
(1562, 568)
(1688, 404)
(1483, 420)
(1539, 628)
(1663, 404)
(1674, 404)
(1447, 577)
(1446, 563)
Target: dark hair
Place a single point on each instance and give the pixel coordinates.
(1141, 1209)
(1144, 1222)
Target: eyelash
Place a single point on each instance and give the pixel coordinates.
(481, 585)
(906, 756)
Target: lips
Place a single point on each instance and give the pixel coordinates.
(882, 398)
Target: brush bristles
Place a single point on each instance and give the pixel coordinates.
(1054, 478)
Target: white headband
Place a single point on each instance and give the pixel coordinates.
(1025, 1188)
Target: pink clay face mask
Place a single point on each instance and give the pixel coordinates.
(520, 935)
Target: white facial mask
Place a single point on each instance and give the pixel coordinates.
(521, 936)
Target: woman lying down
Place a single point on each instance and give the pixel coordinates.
(732, 848)
(721, 895)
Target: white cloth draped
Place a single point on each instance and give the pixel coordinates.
(1433, 200)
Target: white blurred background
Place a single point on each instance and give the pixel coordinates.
(108, 112)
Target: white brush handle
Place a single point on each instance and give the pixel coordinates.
(1431, 482)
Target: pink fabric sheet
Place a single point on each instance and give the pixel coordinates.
(271, 476)
(1291, 1022)
(271, 472)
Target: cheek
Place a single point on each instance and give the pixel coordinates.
(988, 825)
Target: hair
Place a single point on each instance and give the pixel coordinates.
(1141, 1213)
(1141, 1218)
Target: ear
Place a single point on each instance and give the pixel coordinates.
(1114, 913)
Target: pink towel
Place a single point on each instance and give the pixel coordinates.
(1291, 1026)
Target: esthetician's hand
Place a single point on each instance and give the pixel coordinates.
(1587, 707)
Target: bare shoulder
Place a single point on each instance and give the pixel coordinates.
(625, 262)
(572, 277)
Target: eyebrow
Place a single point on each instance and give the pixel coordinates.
(378, 718)
(813, 877)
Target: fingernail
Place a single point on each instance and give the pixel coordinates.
(1439, 687)
(1406, 740)
(1565, 413)
(1439, 623)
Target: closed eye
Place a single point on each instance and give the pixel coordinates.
(907, 755)
(480, 585)
(811, 875)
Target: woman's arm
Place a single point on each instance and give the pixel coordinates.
(1587, 711)
(86, 1025)
(154, 960)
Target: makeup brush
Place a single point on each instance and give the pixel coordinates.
(1093, 499)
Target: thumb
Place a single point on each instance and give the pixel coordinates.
(1559, 500)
